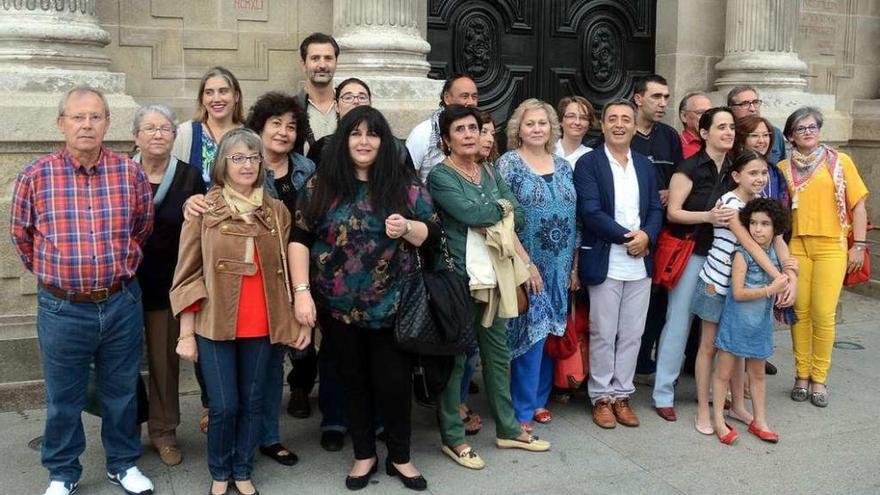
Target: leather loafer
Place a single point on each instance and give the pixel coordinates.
(667, 413)
(360, 482)
(332, 440)
(170, 455)
(730, 437)
(624, 413)
(603, 415)
(299, 406)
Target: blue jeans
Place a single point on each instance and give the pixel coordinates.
(470, 366)
(673, 339)
(235, 372)
(72, 335)
(273, 389)
(531, 378)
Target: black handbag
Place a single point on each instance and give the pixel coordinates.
(435, 311)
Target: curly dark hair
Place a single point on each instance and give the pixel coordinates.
(778, 214)
(272, 104)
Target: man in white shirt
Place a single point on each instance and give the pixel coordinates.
(619, 208)
(423, 142)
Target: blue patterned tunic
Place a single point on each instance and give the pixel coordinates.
(549, 235)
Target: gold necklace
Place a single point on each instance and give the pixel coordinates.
(473, 177)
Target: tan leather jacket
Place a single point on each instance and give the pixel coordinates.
(211, 263)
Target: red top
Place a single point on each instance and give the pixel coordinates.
(253, 319)
(690, 144)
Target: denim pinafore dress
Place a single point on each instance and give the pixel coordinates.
(746, 327)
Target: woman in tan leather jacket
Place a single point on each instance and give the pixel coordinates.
(232, 294)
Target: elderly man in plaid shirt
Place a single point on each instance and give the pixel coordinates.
(79, 219)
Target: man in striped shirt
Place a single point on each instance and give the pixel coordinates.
(79, 219)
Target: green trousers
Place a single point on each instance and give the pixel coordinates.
(495, 358)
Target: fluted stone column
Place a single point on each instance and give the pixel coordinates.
(46, 47)
(760, 50)
(380, 42)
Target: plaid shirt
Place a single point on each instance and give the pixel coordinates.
(81, 229)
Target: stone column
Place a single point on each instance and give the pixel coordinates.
(760, 50)
(46, 47)
(380, 41)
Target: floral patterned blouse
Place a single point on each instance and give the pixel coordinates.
(355, 268)
(549, 234)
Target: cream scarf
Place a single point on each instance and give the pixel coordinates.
(244, 207)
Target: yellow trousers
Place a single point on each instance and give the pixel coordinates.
(822, 269)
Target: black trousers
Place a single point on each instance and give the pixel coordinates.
(305, 368)
(373, 371)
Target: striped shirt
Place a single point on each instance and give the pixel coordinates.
(716, 269)
(81, 229)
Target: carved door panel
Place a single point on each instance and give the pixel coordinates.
(547, 49)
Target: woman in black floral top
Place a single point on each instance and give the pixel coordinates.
(357, 225)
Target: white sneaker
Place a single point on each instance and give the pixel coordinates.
(132, 481)
(61, 488)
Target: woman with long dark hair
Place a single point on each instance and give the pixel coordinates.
(357, 226)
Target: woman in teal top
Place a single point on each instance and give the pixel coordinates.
(356, 227)
(470, 196)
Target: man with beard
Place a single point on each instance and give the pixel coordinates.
(424, 140)
(319, 53)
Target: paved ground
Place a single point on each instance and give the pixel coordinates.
(828, 451)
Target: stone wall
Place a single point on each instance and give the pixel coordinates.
(164, 46)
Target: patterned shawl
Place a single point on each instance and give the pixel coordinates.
(802, 168)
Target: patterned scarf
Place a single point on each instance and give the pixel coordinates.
(802, 168)
(244, 206)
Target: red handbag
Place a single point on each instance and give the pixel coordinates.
(578, 322)
(569, 372)
(671, 257)
(861, 275)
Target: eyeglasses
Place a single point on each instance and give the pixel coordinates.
(82, 118)
(351, 98)
(151, 130)
(747, 104)
(241, 159)
(806, 129)
(576, 117)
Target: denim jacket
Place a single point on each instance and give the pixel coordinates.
(300, 169)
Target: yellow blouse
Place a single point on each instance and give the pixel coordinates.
(815, 213)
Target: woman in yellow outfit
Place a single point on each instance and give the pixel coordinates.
(828, 201)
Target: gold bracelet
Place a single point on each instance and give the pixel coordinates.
(184, 337)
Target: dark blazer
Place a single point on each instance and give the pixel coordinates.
(595, 209)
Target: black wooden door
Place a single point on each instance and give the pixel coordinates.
(547, 49)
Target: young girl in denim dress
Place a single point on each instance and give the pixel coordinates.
(746, 327)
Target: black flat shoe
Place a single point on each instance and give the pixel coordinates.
(769, 369)
(332, 440)
(360, 482)
(417, 483)
(299, 406)
(280, 454)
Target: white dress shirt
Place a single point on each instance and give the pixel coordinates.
(622, 266)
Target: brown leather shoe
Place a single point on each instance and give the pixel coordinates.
(624, 413)
(603, 416)
(170, 455)
(667, 413)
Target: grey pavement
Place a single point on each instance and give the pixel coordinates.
(823, 451)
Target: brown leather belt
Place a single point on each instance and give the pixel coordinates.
(97, 295)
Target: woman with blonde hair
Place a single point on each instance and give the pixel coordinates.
(543, 185)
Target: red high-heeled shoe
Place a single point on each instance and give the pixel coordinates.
(731, 436)
(765, 435)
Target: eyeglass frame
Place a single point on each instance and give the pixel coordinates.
(350, 98)
(152, 131)
(749, 103)
(240, 160)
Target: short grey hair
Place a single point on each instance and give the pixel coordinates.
(241, 135)
(145, 110)
(513, 138)
(737, 90)
(683, 105)
(82, 88)
(800, 114)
